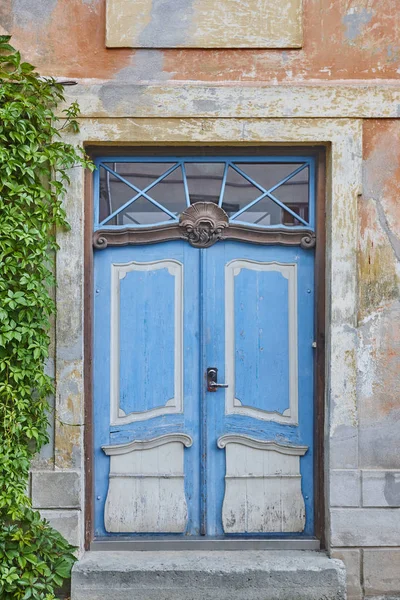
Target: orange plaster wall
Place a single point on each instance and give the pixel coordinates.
(379, 296)
(343, 39)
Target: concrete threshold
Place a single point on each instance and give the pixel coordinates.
(208, 544)
(202, 575)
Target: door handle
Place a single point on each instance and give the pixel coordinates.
(212, 380)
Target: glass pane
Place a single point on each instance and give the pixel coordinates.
(268, 174)
(140, 174)
(267, 212)
(170, 192)
(204, 181)
(204, 184)
(140, 212)
(113, 193)
(294, 194)
(238, 192)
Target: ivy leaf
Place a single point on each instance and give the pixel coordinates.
(35, 164)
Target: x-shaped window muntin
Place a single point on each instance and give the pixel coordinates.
(265, 193)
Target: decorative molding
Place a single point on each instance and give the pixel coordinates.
(129, 236)
(275, 236)
(246, 440)
(146, 486)
(117, 449)
(202, 224)
(171, 405)
(308, 241)
(233, 405)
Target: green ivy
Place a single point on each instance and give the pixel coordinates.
(34, 164)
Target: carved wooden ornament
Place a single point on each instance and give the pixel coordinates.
(202, 224)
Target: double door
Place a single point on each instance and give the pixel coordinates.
(203, 390)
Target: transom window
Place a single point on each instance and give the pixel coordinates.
(264, 192)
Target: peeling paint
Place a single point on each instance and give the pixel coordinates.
(147, 65)
(355, 20)
(151, 99)
(327, 53)
(38, 14)
(204, 24)
(379, 290)
(169, 22)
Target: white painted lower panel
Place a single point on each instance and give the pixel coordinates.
(262, 486)
(146, 492)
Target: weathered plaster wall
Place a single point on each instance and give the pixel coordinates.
(340, 89)
(368, 482)
(379, 304)
(344, 39)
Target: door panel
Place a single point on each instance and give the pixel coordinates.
(259, 334)
(146, 389)
(151, 343)
(262, 486)
(261, 331)
(170, 456)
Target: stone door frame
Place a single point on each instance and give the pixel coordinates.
(342, 139)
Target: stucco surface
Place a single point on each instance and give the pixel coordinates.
(345, 39)
(379, 297)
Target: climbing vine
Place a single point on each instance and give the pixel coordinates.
(34, 164)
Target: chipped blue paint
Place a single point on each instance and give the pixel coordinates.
(261, 338)
(156, 346)
(149, 295)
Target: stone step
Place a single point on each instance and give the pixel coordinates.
(201, 575)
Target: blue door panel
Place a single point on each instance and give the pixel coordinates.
(248, 294)
(261, 335)
(140, 294)
(147, 360)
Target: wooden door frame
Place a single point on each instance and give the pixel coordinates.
(319, 152)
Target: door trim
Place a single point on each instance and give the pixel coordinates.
(320, 267)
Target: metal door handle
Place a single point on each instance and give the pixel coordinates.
(212, 380)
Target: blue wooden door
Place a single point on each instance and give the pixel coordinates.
(177, 294)
(163, 315)
(258, 332)
(146, 390)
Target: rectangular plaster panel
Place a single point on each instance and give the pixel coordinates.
(204, 24)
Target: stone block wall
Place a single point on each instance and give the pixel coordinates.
(57, 496)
